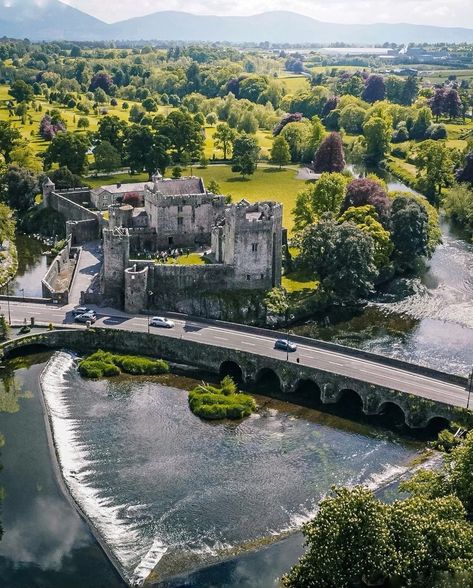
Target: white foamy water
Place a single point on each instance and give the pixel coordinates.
(121, 534)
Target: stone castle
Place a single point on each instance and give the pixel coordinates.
(242, 243)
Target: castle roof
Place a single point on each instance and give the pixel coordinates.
(123, 188)
(180, 187)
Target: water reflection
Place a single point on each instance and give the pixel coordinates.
(32, 265)
(45, 543)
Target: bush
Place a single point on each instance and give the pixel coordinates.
(104, 364)
(212, 403)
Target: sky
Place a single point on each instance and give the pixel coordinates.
(431, 12)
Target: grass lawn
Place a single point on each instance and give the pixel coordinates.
(264, 138)
(293, 83)
(297, 282)
(267, 183)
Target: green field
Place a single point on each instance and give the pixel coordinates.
(267, 183)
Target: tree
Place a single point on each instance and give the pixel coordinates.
(133, 199)
(421, 124)
(410, 91)
(83, 122)
(341, 256)
(409, 230)
(223, 138)
(102, 80)
(368, 191)
(352, 118)
(394, 89)
(112, 129)
(64, 179)
(146, 150)
(453, 106)
(434, 168)
(356, 540)
(106, 157)
(67, 150)
(184, 134)
(245, 155)
(21, 91)
(437, 103)
(375, 89)
(213, 187)
(366, 219)
(9, 139)
(377, 132)
(326, 195)
(297, 135)
(348, 543)
(330, 156)
(465, 173)
(248, 123)
(280, 154)
(19, 187)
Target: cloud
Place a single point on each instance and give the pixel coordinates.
(432, 12)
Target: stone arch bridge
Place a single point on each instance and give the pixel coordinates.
(254, 368)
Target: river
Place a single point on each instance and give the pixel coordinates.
(32, 266)
(160, 485)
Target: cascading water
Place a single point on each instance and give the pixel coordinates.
(155, 480)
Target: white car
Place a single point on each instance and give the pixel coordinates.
(161, 321)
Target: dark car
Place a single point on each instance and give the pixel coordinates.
(81, 310)
(86, 317)
(285, 345)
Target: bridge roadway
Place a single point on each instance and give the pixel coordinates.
(366, 370)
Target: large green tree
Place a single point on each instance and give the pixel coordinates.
(19, 187)
(280, 153)
(325, 195)
(184, 133)
(223, 139)
(68, 150)
(435, 163)
(9, 139)
(409, 229)
(146, 150)
(366, 219)
(107, 158)
(341, 256)
(245, 155)
(112, 129)
(377, 131)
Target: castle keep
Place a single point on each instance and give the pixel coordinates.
(241, 243)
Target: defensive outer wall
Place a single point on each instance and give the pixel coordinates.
(254, 368)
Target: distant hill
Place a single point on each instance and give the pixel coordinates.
(54, 20)
(48, 20)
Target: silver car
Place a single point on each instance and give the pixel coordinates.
(161, 321)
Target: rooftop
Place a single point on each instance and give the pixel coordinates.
(180, 187)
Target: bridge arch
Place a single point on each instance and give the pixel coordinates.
(437, 424)
(309, 391)
(392, 413)
(232, 369)
(350, 402)
(267, 379)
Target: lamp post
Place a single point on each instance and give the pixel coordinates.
(22, 290)
(470, 386)
(291, 317)
(8, 302)
(150, 293)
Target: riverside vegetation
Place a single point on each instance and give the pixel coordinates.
(105, 364)
(424, 540)
(223, 402)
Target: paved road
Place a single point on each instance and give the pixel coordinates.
(309, 355)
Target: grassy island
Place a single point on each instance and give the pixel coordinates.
(104, 364)
(224, 402)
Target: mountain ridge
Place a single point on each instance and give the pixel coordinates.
(55, 20)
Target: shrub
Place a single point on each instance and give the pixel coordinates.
(212, 403)
(105, 364)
